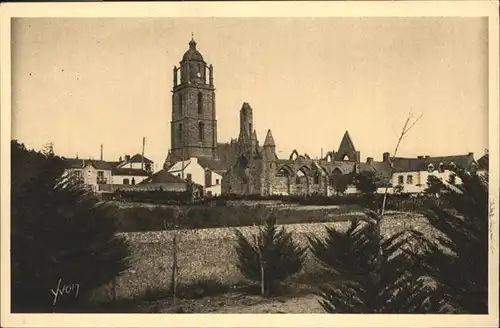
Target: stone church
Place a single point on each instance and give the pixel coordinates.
(247, 166)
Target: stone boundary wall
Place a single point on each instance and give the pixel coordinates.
(209, 253)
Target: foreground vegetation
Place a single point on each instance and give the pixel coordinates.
(61, 233)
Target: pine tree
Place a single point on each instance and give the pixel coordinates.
(370, 274)
(60, 235)
(458, 260)
(270, 258)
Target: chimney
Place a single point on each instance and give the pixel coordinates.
(470, 154)
(127, 158)
(420, 157)
(385, 157)
(427, 157)
(369, 160)
(101, 152)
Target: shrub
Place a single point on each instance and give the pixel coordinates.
(366, 182)
(60, 236)
(458, 261)
(270, 258)
(368, 275)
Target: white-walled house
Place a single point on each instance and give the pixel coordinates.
(136, 162)
(412, 173)
(128, 176)
(90, 173)
(202, 171)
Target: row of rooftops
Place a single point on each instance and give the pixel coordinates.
(116, 167)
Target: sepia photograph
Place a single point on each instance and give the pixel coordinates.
(245, 164)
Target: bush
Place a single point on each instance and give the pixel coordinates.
(368, 275)
(270, 258)
(60, 236)
(458, 261)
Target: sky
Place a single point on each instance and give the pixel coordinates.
(83, 82)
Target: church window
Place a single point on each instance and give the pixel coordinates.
(401, 179)
(430, 168)
(201, 131)
(200, 102)
(409, 179)
(316, 178)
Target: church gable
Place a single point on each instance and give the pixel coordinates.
(347, 151)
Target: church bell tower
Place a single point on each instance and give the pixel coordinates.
(194, 125)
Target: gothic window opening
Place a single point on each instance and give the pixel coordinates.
(430, 168)
(201, 131)
(294, 155)
(200, 103)
(316, 178)
(250, 128)
(284, 172)
(409, 179)
(401, 179)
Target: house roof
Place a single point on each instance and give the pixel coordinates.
(483, 162)
(137, 158)
(99, 165)
(74, 163)
(420, 164)
(162, 176)
(179, 166)
(77, 163)
(214, 165)
(129, 172)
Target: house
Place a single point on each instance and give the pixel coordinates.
(163, 180)
(128, 176)
(411, 174)
(136, 162)
(483, 164)
(206, 172)
(90, 173)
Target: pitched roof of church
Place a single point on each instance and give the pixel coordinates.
(346, 146)
(269, 142)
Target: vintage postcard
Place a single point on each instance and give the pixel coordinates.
(240, 164)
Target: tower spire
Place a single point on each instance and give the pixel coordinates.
(192, 43)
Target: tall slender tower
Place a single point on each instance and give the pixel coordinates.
(194, 125)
